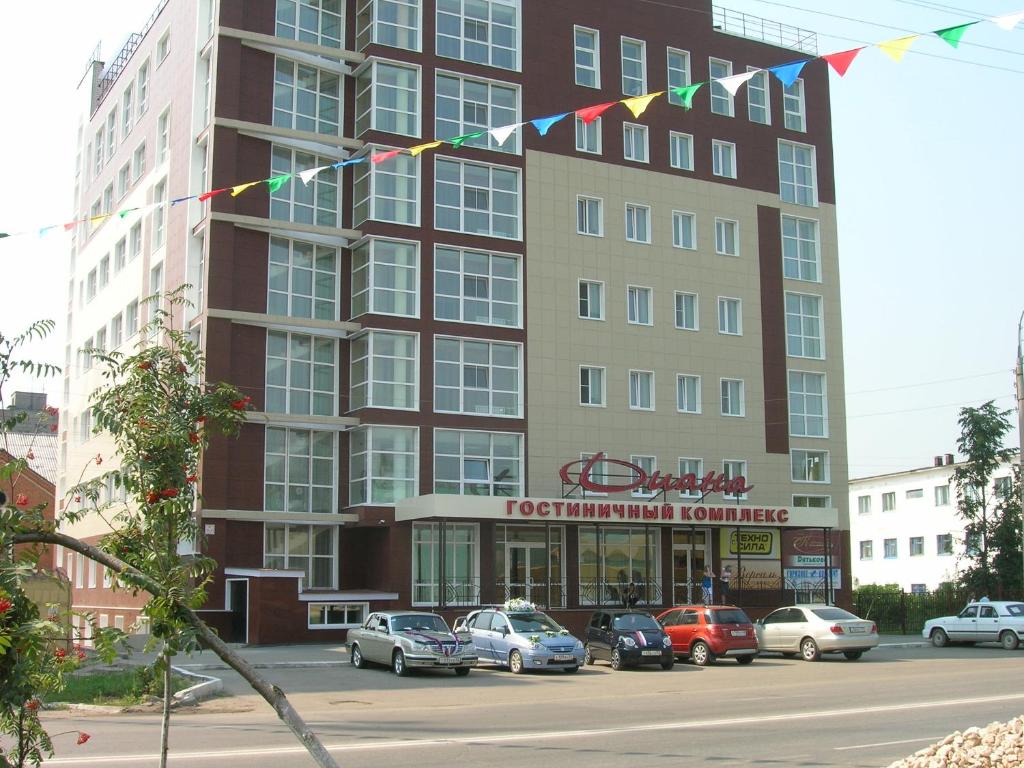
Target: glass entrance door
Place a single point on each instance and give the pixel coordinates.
(525, 570)
(690, 553)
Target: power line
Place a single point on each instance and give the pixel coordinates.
(952, 10)
(928, 383)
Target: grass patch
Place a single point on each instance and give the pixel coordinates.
(118, 688)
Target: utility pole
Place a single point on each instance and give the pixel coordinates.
(1018, 378)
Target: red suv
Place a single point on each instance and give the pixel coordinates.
(705, 632)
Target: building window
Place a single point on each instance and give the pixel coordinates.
(803, 326)
(695, 467)
(588, 57)
(649, 464)
(116, 331)
(634, 142)
(310, 21)
(104, 273)
(127, 113)
(90, 286)
(588, 135)
(387, 191)
(384, 371)
(314, 203)
(387, 99)
(163, 47)
(758, 102)
(476, 287)
(300, 374)
(890, 549)
(1003, 486)
(589, 216)
(461, 562)
(730, 316)
(139, 162)
(721, 99)
(732, 397)
(686, 311)
(864, 505)
(306, 548)
(944, 544)
(793, 106)
(592, 386)
(678, 73)
(916, 546)
(108, 198)
(634, 67)
(395, 23)
(733, 468)
(810, 466)
(687, 393)
(336, 615)
(915, 493)
(797, 175)
(131, 319)
(680, 150)
(479, 31)
(723, 159)
(477, 377)
(101, 341)
(384, 278)
(306, 98)
(638, 223)
(111, 133)
(591, 300)
(941, 495)
(98, 157)
(142, 87)
(476, 199)
(800, 259)
(610, 558)
(727, 241)
(298, 471)
(477, 463)
(124, 180)
(466, 105)
(807, 406)
(641, 390)
(639, 305)
(866, 550)
(812, 502)
(160, 214)
(684, 230)
(889, 501)
(303, 279)
(382, 465)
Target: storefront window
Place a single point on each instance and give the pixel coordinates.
(461, 564)
(610, 558)
(521, 568)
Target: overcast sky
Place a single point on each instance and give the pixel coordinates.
(928, 169)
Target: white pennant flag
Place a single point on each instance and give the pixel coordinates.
(309, 173)
(733, 83)
(501, 134)
(1009, 21)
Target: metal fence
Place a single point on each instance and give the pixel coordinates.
(906, 612)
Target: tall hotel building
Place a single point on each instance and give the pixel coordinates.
(429, 340)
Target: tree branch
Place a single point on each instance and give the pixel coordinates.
(273, 695)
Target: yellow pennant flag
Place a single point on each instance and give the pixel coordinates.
(896, 49)
(638, 104)
(236, 191)
(423, 147)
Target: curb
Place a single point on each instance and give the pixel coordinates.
(271, 665)
(204, 689)
(903, 645)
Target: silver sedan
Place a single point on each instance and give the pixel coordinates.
(405, 640)
(812, 630)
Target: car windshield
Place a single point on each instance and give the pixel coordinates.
(532, 622)
(634, 621)
(833, 614)
(729, 616)
(1015, 609)
(418, 623)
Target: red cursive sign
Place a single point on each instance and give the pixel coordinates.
(655, 482)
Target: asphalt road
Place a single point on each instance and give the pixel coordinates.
(774, 712)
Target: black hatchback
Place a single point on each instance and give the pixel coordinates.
(627, 639)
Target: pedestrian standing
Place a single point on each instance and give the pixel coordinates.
(725, 578)
(707, 585)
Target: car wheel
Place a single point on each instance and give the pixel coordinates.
(853, 655)
(939, 638)
(357, 658)
(666, 665)
(701, 655)
(398, 664)
(617, 660)
(462, 671)
(745, 659)
(515, 663)
(570, 670)
(588, 656)
(1009, 640)
(809, 649)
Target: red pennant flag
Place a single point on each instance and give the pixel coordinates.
(382, 156)
(70, 226)
(207, 195)
(590, 114)
(841, 61)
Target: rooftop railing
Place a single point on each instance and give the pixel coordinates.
(765, 30)
(114, 69)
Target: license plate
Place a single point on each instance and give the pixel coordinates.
(857, 630)
(651, 653)
(739, 633)
(450, 660)
(564, 657)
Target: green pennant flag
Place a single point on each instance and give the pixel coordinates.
(458, 141)
(276, 182)
(684, 95)
(952, 35)
(3, 235)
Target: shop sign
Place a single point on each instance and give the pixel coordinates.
(811, 578)
(754, 574)
(653, 513)
(638, 479)
(806, 549)
(751, 544)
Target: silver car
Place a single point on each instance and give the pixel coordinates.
(812, 630)
(406, 640)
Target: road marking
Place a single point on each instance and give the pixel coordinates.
(888, 743)
(234, 754)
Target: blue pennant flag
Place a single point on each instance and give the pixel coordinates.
(543, 124)
(788, 73)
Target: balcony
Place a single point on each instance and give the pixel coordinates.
(764, 30)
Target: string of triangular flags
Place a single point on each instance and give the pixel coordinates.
(787, 74)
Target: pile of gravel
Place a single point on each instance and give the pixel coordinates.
(997, 745)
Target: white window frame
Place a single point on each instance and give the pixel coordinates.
(371, 293)
(638, 460)
(368, 204)
(632, 209)
(491, 366)
(864, 504)
(289, 389)
(364, 609)
(287, 460)
(944, 494)
(368, 453)
(722, 395)
(600, 295)
(807, 454)
(595, 52)
(796, 188)
(721, 236)
(673, 138)
(696, 310)
(795, 94)
(163, 47)
(795, 268)
(720, 152)
(888, 501)
(763, 87)
(142, 89)
(583, 216)
(697, 408)
(287, 79)
(630, 133)
(127, 110)
(718, 92)
(677, 234)
(491, 191)
(804, 416)
(633, 307)
(368, 85)
(584, 131)
(695, 494)
(490, 460)
(462, 37)
(725, 471)
(372, 358)
(603, 388)
(635, 402)
(309, 555)
(623, 40)
(369, 25)
(792, 350)
(723, 302)
(317, 274)
(673, 81)
(491, 301)
(285, 197)
(487, 141)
